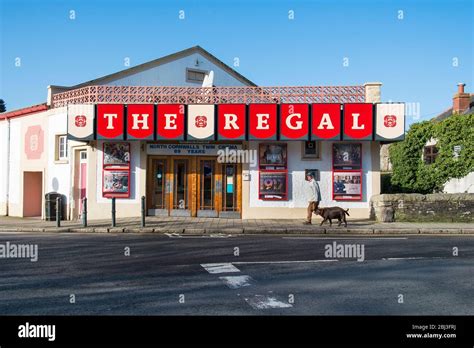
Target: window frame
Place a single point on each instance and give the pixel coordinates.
(58, 144)
(191, 70)
(430, 158)
(311, 157)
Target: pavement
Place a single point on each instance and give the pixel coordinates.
(232, 226)
(157, 274)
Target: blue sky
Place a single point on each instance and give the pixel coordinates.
(413, 57)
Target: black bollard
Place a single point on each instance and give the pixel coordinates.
(143, 211)
(58, 212)
(113, 211)
(84, 212)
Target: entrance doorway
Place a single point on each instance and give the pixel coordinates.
(193, 186)
(32, 194)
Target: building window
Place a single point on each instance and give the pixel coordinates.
(430, 153)
(61, 147)
(195, 76)
(311, 150)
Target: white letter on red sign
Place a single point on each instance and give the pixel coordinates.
(230, 119)
(298, 124)
(143, 121)
(325, 121)
(170, 121)
(263, 121)
(355, 122)
(109, 118)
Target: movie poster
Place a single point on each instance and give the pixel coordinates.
(273, 185)
(272, 155)
(117, 154)
(347, 156)
(116, 182)
(347, 185)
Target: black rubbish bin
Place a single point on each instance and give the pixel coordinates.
(50, 208)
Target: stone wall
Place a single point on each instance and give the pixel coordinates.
(440, 207)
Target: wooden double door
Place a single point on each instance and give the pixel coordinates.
(193, 186)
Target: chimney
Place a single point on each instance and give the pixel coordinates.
(461, 100)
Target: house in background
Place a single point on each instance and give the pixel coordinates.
(463, 103)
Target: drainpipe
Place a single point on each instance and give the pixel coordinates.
(8, 169)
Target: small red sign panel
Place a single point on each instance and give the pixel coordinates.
(358, 121)
(110, 121)
(140, 121)
(231, 121)
(326, 122)
(294, 122)
(263, 121)
(170, 121)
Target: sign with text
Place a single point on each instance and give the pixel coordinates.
(231, 121)
(294, 121)
(190, 149)
(110, 121)
(358, 121)
(263, 121)
(170, 121)
(140, 121)
(204, 122)
(326, 122)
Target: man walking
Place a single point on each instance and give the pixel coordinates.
(314, 199)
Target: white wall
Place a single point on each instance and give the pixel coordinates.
(298, 192)
(3, 165)
(15, 161)
(462, 185)
(174, 74)
(58, 178)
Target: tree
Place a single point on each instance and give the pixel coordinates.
(2, 106)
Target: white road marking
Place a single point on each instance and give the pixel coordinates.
(412, 258)
(270, 262)
(349, 238)
(215, 268)
(266, 302)
(235, 282)
(177, 235)
(173, 235)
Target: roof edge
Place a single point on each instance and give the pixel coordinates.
(24, 111)
(163, 60)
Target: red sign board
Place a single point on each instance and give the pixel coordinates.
(263, 121)
(231, 121)
(326, 122)
(110, 121)
(170, 121)
(294, 121)
(140, 121)
(270, 121)
(358, 121)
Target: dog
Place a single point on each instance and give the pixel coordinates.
(333, 213)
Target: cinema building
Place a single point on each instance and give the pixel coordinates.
(197, 139)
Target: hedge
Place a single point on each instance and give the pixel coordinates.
(411, 174)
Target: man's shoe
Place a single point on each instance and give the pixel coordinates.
(307, 223)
